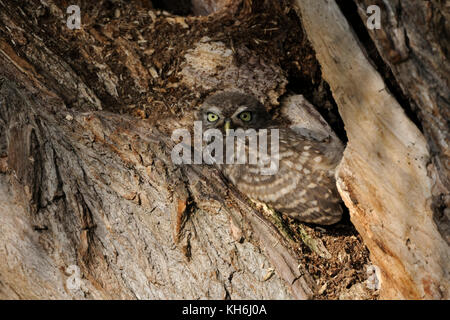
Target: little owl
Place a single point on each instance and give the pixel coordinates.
(304, 186)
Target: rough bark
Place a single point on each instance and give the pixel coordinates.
(86, 184)
(383, 176)
(104, 195)
(414, 40)
(96, 191)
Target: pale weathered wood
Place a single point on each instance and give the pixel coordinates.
(383, 176)
(414, 41)
(95, 190)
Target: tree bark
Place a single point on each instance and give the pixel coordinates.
(414, 42)
(100, 192)
(383, 176)
(92, 206)
(93, 194)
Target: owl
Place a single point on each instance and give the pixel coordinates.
(303, 187)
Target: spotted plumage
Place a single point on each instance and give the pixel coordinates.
(303, 186)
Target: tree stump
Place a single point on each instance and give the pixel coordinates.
(92, 206)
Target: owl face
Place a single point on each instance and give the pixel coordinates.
(232, 110)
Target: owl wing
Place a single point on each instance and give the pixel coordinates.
(303, 187)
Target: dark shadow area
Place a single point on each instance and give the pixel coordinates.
(306, 79)
(178, 7)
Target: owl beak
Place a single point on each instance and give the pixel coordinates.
(227, 126)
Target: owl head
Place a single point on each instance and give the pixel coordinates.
(232, 110)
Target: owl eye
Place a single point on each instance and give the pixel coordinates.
(212, 117)
(245, 116)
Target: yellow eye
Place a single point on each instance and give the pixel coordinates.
(212, 117)
(245, 116)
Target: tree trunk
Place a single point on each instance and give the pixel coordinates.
(93, 194)
(92, 206)
(414, 42)
(383, 176)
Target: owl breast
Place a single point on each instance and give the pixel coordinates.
(303, 184)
